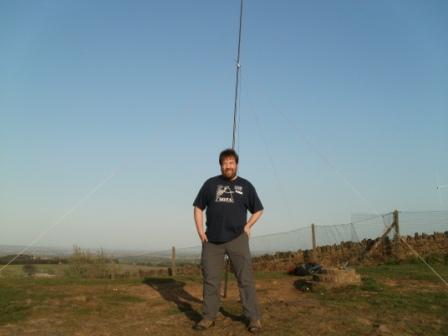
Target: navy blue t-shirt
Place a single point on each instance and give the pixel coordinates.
(226, 203)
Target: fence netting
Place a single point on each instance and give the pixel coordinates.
(362, 226)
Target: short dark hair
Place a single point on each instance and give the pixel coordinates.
(227, 153)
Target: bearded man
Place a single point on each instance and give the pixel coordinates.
(226, 199)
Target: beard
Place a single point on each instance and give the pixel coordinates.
(229, 173)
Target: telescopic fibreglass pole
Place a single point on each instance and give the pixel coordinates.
(237, 77)
(235, 110)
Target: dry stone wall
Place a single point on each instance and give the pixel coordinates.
(357, 253)
(350, 253)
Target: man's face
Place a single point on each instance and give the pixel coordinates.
(229, 167)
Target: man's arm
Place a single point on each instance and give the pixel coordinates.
(199, 221)
(252, 220)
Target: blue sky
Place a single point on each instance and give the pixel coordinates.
(145, 89)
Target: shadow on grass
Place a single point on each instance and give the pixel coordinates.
(173, 290)
(234, 317)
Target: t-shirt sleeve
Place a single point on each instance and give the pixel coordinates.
(201, 200)
(254, 203)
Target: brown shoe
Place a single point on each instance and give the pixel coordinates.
(254, 326)
(204, 324)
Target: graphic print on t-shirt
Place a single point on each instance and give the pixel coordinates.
(224, 194)
(239, 189)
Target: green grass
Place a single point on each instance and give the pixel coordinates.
(13, 306)
(119, 298)
(17, 298)
(373, 294)
(424, 313)
(19, 295)
(371, 285)
(408, 271)
(12, 271)
(395, 302)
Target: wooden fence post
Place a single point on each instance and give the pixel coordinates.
(396, 222)
(397, 233)
(313, 236)
(173, 261)
(393, 226)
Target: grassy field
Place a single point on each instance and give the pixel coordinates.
(401, 299)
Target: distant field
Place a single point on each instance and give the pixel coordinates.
(401, 299)
(58, 270)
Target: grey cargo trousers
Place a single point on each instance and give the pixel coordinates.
(212, 262)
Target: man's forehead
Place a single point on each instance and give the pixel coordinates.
(228, 159)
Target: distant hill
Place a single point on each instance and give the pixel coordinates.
(29, 259)
(54, 252)
(37, 251)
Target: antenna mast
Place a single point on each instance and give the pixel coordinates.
(237, 80)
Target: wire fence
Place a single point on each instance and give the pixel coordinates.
(360, 228)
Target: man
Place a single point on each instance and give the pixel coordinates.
(227, 198)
